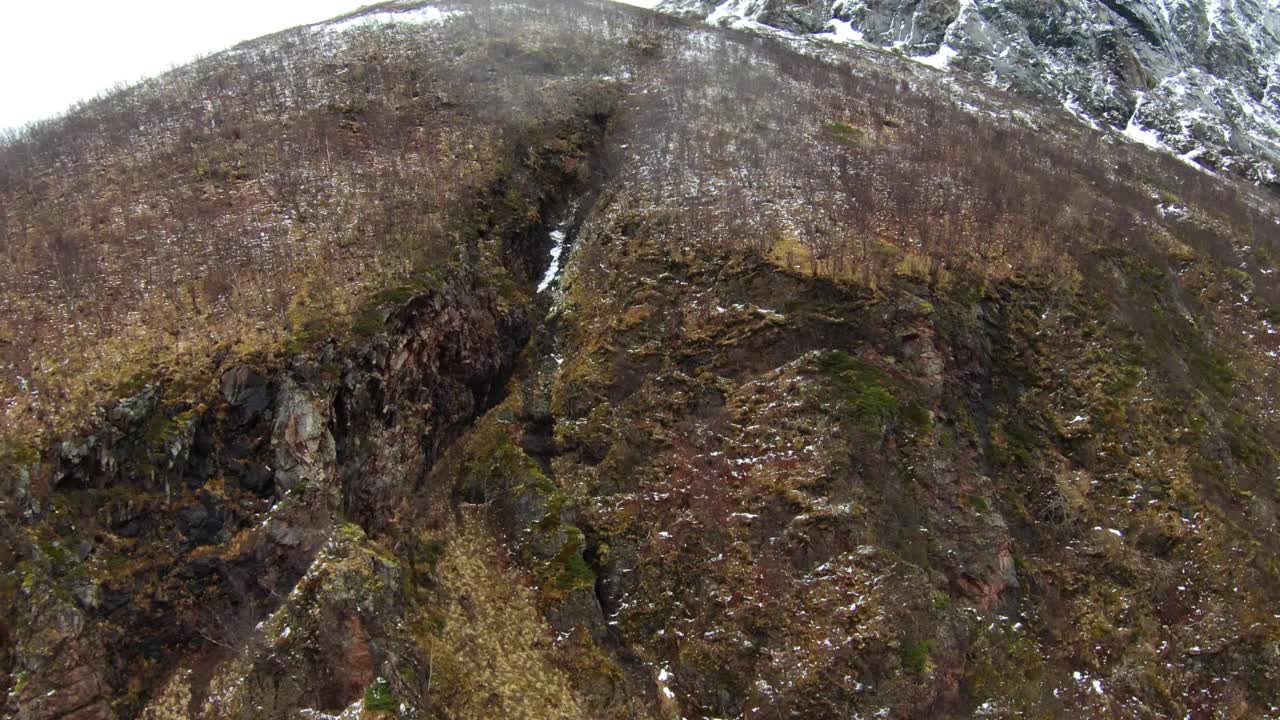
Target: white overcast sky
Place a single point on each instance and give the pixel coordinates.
(55, 53)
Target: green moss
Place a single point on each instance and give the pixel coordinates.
(497, 461)
(30, 575)
(866, 392)
(572, 572)
(372, 317)
(842, 132)
(1007, 665)
(370, 321)
(378, 696)
(20, 682)
(915, 658)
(15, 452)
(397, 295)
(1272, 314)
(429, 554)
(300, 488)
(350, 532)
(1123, 378)
(1247, 444)
(1214, 368)
(305, 335)
(918, 419)
(1014, 441)
(550, 522)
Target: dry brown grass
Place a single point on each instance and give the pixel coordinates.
(256, 201)
(493, 658)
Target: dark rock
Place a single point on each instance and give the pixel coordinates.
(237, 448)
(200, 459)
(247, 392)
(200, 568)
(192, 516)
(258, 479)
(806, 16)
(129, 528)
(580, 609)
(113, 599)
(199, 525)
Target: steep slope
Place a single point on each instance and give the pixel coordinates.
(269, 388)
(722, 381)
(950, 475)
(1194, 78)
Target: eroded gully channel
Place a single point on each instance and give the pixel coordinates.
(326, 440)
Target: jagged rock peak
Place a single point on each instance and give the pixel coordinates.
(1194, 77)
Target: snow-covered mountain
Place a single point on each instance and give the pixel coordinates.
(1199, 78)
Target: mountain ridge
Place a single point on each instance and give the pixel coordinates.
(1196, 78)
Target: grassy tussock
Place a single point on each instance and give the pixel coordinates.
(492, 659)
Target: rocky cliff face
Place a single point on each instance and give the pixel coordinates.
(1196, 78)
(201, 531)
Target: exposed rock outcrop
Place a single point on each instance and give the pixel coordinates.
(1198, 78)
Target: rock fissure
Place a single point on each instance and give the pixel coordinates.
(346, 435)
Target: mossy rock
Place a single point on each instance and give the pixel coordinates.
(378, 697)
(570, 568)
(867, 394)
(915, 658)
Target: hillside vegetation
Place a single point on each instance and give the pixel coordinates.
(862, 392)
(261, 199)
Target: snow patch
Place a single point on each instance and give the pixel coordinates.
(1139, 134)
(420, 16)
(727, 13)
(941, 59)
(1073, 106)
(946, 53)
(553, 269)
(844, 31)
